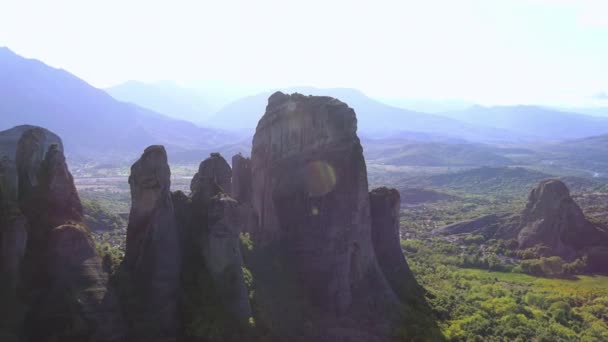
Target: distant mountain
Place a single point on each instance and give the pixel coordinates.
(427, 106)
(541, 123)
(374, 117)
(417, 153)
(498, 181)
(165, 97)
(589, 154)
(593, 111)
(92, 123)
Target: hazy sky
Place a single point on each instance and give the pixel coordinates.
(535, 51)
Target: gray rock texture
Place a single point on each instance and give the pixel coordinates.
(552, 218)
(310, 194)
(152, 252)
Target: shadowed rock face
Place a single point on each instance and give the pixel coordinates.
(8, 179)
(213, 170)
(9, 140)
(241, 178)
(310, 195)
(13, 238)
(385, 205)
(31, 149)
(70, 299)
(552, 218)
(152, 252)
(219, 219)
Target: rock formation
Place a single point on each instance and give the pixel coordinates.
(310, 194)
(241, 178)
(213, 170)
(552, 218)
(31, 149)
(219, 220)
(152, 253)
(385, 204)
(68, 294)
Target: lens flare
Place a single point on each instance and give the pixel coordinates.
(320, 178)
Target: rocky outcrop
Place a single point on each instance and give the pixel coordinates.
(213, 170)
(69, 295)
(311, 198)
(152, 253)
(385, 204)
(552, 218)
(241, 178)
(31, 149)
(219, 219)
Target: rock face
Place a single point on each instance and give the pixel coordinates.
(213, 170)
(70, 299)
(152, 252)
(552, 218)
(385, 205)
(31, 149)
(241, 178)
(310, 195)
(220, 221)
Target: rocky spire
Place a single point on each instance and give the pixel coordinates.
(220, 221)
(66, 280)
(213, 171)
(310, 193)
(385, 205)
(152, 252)
(552, 218)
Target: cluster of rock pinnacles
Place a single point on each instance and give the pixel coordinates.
(286, 246)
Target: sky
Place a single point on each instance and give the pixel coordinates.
(488, 51)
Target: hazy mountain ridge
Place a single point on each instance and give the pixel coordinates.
(164, 97)
(374, 117)
(92, 123)
(533, 121)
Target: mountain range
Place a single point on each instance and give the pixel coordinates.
(92, 123)
(116, 123)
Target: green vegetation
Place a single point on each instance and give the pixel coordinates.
(99, 218)
(482, 305)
